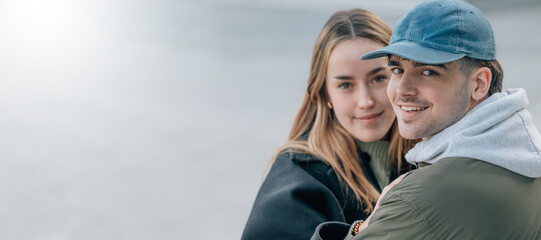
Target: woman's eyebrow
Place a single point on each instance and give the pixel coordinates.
(374, 71)
(343, 77)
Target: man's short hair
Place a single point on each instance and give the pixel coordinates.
(468, 65)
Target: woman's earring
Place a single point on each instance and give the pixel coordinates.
(329, 104)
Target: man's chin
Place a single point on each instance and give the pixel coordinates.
(408, 131)
(409, 136)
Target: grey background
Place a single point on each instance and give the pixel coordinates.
(155, 119)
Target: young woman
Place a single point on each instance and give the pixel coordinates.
(344, 145)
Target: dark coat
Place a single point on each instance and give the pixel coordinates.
(299, 193)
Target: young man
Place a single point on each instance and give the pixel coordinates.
(480, 158)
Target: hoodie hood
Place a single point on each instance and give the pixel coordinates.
(499, 131)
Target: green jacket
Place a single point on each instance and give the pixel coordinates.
(455, 198)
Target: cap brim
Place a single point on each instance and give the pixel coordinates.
(414, 52)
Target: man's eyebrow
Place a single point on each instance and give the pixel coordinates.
(416, 64)
(392, 63)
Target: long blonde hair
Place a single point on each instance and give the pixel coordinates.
(327, 139)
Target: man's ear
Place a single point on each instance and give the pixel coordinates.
(481, 80)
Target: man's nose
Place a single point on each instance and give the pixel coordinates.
(406, 86)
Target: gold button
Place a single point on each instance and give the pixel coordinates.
(357, 227)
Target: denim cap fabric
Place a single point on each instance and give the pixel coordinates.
(441, 31)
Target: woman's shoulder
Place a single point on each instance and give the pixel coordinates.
(302, 172)
(306, 161)
(287, 193)
(294, 165)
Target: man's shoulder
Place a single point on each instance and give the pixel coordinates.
(426, 177)
(452, 167)
(450, 170)
(451, 176)
(462, 195)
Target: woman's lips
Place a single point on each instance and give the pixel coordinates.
(369, 119)
(375, 115)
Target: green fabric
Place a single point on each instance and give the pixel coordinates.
(459, 198)
(379, 160)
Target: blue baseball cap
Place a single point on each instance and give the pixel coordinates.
(440, 31)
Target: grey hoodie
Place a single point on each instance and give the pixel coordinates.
(499, 131)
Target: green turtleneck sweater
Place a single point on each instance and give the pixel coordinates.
(379, 160)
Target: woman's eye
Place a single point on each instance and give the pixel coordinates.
(379, 79)
(396, 71)
(344, 85)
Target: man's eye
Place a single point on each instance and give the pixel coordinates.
(429, 73)
(396, 71)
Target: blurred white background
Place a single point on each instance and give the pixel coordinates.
(154, 119)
